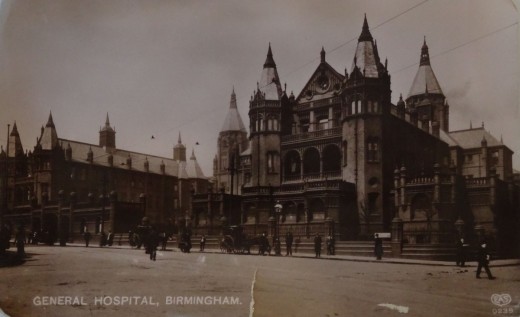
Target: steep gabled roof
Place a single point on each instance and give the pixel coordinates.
(324, 83)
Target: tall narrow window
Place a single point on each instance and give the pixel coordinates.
(271, 162)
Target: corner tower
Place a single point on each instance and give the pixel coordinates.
(426, 97)
(265, 115)
(366, 107)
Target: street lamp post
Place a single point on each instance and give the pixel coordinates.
(278, 211)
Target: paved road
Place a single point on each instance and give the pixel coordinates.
(77, 281)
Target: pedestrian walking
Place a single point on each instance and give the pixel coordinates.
(288, 242)
(87, 237)
(378, 246)
(483, 261)
(202, 243)
(461, 253)
(164, 240)
(153, 243)
(317, 245)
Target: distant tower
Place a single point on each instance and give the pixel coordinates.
(15, 144)
(232, 141)
(179, 151)
(426, 96)
(49, 137)
(107, 136)
(265, 115)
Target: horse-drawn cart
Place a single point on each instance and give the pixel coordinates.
(235, 240)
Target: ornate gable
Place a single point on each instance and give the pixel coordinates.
(324, 83)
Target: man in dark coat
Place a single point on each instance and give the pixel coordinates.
(87, 237)
(483, 261)
(317, 245)
(378, 246)
(153, 243)
(461, 253)
(288, 242)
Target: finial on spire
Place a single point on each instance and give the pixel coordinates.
(50, 122)
(322, 54)
(233, 101)
(107, 121)
(269, 61)
(365, 33)
(179, 140)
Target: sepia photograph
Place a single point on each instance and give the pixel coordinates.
(259, 158)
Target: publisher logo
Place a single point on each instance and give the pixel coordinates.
(501, 299)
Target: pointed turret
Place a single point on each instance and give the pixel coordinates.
(233, 121)
(426, 94)
(366, 59)
(322, 55)
(15, 143)
(269, 84)
(425, 76)
(49, 138)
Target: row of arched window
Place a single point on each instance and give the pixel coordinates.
(261, 124)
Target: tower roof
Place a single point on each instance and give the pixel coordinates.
(179, 142)
(269, 84)
(233, 121)
(49, 138)
(366, 58)
(107, 126)
(14, 145)
(425, 77)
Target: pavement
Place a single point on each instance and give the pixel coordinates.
(172, 248)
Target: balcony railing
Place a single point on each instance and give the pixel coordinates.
(327, 133)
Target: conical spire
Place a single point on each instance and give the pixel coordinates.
(179, 140)
(425, 76)
(233, 101)
(366, 58)
(233, 121)
(269, 61)
(14, 131)
(49, 139)
(50, 122)
(107, 126)
(365, 33)
(14, 145)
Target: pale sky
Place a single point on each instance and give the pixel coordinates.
(163, 67)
